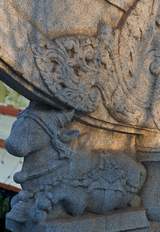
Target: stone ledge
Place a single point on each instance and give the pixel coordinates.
(148, 156)
(126, 220)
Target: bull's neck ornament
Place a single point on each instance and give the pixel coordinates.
(92, 72)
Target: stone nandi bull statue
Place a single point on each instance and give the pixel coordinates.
(57, 179)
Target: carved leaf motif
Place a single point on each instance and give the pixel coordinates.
(68, 69)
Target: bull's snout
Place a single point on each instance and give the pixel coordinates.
(14, 148)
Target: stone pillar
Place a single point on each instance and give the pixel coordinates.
(149, 155)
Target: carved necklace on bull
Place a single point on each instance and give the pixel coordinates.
(58, 140)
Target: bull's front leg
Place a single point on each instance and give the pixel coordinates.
(72, 199)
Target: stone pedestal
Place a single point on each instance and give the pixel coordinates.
(128, 220)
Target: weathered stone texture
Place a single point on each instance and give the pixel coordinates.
(91, 71)
(135, 221)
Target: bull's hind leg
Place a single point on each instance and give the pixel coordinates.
(75, 202)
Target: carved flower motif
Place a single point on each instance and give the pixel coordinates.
(68, 68)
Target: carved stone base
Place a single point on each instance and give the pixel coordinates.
(128, 220)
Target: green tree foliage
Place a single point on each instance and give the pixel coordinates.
(5, 198)
(10, 97)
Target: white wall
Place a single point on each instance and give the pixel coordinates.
(8, 164)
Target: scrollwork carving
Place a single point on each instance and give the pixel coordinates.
(68, 67)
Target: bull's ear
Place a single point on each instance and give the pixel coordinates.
(123, 4)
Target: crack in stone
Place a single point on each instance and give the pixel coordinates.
(125, 16)
(115, 5)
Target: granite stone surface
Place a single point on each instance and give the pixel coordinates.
(90, 137)
(134, 220)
